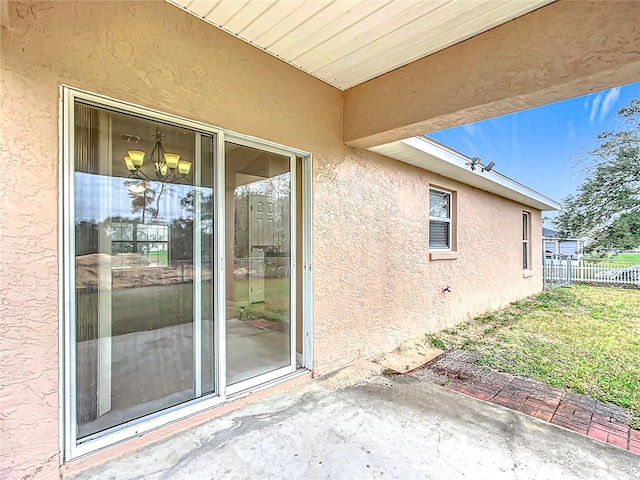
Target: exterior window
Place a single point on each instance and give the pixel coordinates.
(526, 231)
(439, 219)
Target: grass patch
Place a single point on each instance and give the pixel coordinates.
(628, 257)
(621, 260)
(583, 338)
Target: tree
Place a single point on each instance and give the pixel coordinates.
(606, 207)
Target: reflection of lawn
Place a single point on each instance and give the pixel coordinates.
(276, 303)
(149, 308)
(158, 258)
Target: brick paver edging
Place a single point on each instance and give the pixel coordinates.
(456, 370)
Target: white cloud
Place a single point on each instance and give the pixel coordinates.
(586, 103)
(609, 101)
(469, 129)
(602, 104)
(572, 131)
(471, 151)
(594, 107)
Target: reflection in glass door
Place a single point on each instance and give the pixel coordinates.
(143, 267)
(166, 311)
(258, 262)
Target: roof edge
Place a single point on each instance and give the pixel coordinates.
(437, 158)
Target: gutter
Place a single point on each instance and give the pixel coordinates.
(430, 155)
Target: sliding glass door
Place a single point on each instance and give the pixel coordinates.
(180, 268)
(143, 267)
(259, 254)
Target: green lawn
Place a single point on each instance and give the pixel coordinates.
(583, 338)
(628, 257)
(621, 260)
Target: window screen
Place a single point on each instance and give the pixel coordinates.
(439, 219)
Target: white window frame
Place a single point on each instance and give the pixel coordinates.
(70, 448)
(448, 220)
(526, 242)
(136, 242)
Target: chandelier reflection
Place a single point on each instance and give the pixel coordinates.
(167, 167)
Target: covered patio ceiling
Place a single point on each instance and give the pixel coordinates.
(347, 42)
(407, 67)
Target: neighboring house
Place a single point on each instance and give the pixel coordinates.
(187, 219)
(554, 245)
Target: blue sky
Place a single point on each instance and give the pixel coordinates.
(98, 197)
(539, 147)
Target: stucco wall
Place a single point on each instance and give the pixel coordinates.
(374, 285)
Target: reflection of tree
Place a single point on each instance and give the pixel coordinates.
(183, 227)
(143, 195)
(87, 237)
(187, 202)
(241, 222)
(181, 247)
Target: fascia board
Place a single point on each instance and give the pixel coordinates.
(434, 157)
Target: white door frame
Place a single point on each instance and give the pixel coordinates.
(272, 375)
(69, 445)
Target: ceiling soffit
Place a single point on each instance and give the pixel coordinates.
(347, 42)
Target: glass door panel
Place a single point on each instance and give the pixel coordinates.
(258, 261)
(143, 267)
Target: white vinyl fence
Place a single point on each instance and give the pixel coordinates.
(559, 271)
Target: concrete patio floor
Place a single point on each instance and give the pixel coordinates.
(371, 426)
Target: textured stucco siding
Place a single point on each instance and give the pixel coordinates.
(374, 284)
